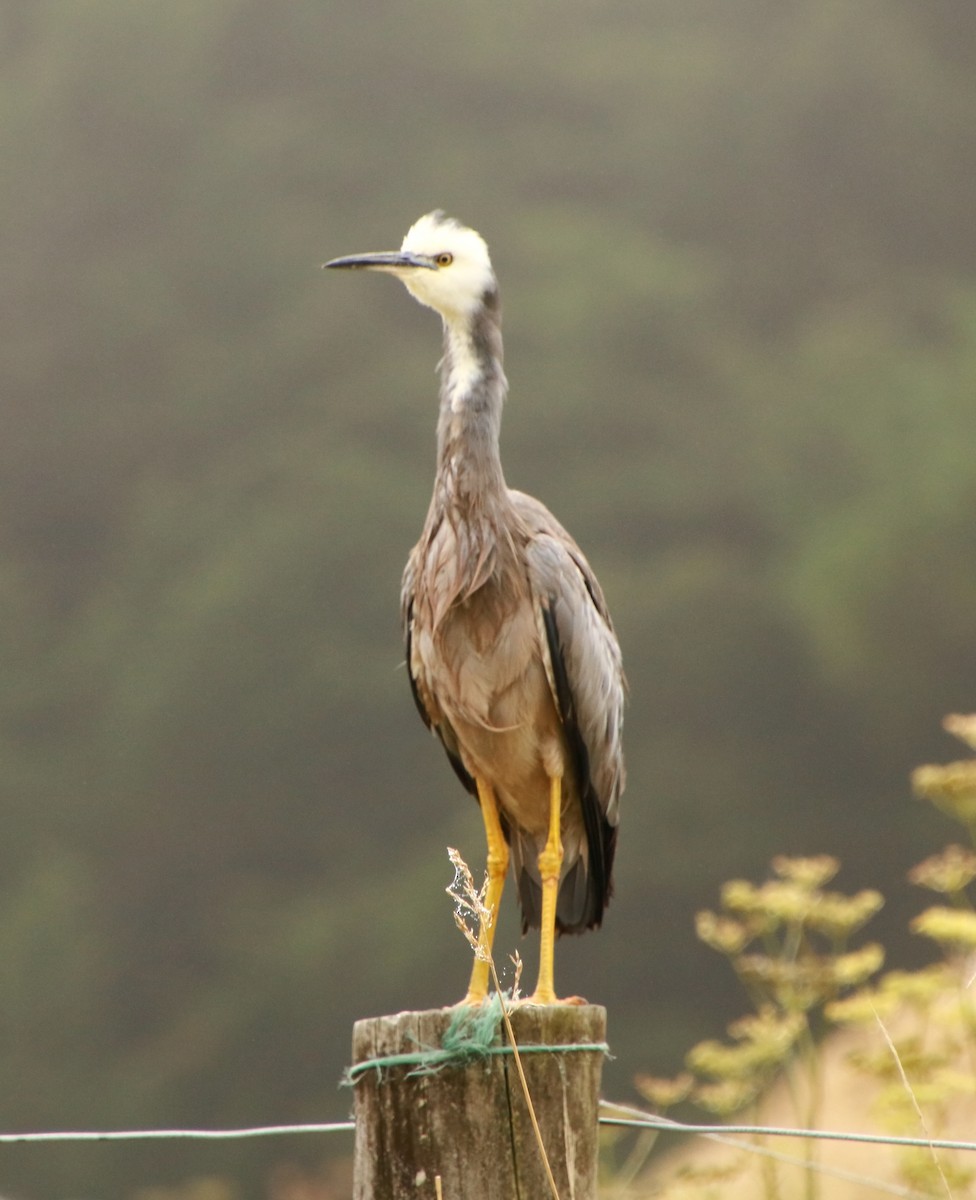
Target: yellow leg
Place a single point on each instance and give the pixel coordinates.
(497, 868)
(550, 865)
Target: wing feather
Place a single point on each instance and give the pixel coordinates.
(585, 673)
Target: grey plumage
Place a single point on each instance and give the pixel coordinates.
(512, 655)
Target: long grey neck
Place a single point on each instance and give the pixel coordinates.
(473, 386)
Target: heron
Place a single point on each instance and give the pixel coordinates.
(512, 656)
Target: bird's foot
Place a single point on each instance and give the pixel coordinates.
(545, 997)
(538, 998)
(473, 1000)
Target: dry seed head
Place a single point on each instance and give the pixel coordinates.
(725, 1097)
(918, 987)
(850, 970)
(913, 1057)
(665, 1093)
(949, 872)
(517, 963)
(926, 1095)
(724, 934)
(795, 985)
(953, 928)
(761, 1044)
(809, 873)
(951, 788)
(747, 902)
(720, 1061)
(786, 902)
(955, 1081)
(935, 1176)
(861, 1007)
(470, 911)
(740, 896)
(929, 1176)
(962, 727)
(837, 916)
(771, 1030)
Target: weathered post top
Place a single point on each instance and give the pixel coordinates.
(427, 1110)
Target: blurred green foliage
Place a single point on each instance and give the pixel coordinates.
(737, 253)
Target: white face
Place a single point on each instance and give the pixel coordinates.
(462, 270)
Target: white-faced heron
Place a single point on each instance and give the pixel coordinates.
(512, 656)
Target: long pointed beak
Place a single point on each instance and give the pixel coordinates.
(390, 260)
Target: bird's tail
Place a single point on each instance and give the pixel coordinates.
(581, 900)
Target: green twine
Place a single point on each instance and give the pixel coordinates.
(472, 1036)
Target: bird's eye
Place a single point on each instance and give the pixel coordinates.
(444, 260)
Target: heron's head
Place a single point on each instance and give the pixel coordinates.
(442, 263)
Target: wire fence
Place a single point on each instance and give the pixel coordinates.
(143, 1135)
(614, 1115)
(727, 1138)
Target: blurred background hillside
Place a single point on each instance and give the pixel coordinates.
(737, 251)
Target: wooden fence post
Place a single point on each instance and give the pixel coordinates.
(468, 1124)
